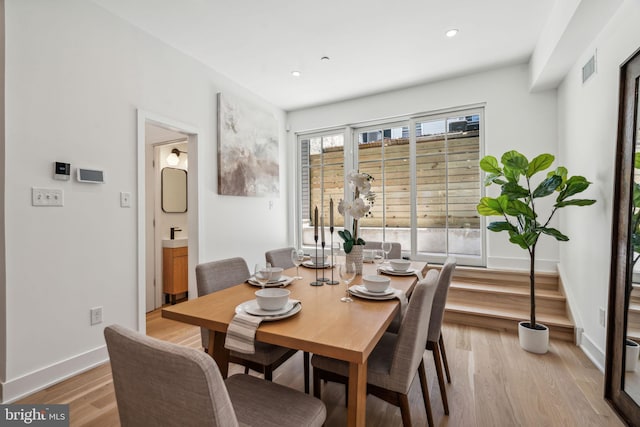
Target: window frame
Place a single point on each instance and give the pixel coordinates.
(351, 161)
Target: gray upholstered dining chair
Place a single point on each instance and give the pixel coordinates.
(279, 257)
(396, 248)
(164, 384)
(282, 258)
(435, 343)
(216, 275)
(393, 363)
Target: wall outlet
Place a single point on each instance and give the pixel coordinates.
(96, 315)
(603, 316)
(47, 197)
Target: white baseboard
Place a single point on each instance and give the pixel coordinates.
(17, 388)
(504, 263)
(593, 352)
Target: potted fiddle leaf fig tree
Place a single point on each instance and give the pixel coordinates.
(523, 219)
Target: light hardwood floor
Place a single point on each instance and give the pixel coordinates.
(494, 383)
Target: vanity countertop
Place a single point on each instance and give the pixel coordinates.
(175, 243)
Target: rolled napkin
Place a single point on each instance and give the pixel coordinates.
(241, 333)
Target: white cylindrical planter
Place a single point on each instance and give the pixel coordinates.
(632, 352)
(533, 340)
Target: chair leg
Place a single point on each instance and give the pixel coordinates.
(268, 373)
(444, 358)
(316, 383)
(443, 390)
(404, 410)
(425, 392)
(305, 357)
(246, 370)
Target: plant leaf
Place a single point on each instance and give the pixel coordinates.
(490, 164)
(513, 175)
(516, 161)
(348, 245)
(540, 163)
(547, 186)
(574, 185)
(514, 191)
(518, 207)
(518, 240)
(501, 226)
(636, 194)
(489, 206)
(575, 202)
(636, 161)
(555, 233)
(493, 179)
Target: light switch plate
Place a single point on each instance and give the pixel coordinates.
(125, 199)
(47, 197)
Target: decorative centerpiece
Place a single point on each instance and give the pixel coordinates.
(360, 206)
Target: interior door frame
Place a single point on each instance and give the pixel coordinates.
(192, 133)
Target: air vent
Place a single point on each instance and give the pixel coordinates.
(589, 68)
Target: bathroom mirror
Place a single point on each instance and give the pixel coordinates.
(622, 371)
(174, 190)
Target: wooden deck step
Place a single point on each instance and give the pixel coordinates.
(560, 327)
(633, 333)
(508, 297)
(499, 299)
(504, 277)
(633, 321)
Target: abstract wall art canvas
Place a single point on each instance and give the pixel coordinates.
(247, 150)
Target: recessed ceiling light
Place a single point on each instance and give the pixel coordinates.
(296, 73)
(452, 32)
(324, 58)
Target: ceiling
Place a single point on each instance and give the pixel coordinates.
(373, 45)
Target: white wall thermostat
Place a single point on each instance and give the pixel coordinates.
(91, 176)
(61, 171)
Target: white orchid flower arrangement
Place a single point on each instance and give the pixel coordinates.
(363, 200)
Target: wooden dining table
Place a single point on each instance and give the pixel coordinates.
(325, 325)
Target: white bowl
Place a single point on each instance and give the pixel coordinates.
(376, 283)
(276, 273)
(400, 264)
(272, 298)
(318, 260)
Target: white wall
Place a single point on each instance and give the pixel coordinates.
(75, 77)
(588, 120)
(514, 119)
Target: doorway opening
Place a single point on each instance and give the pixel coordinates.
(167, 212)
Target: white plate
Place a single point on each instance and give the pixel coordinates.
(391, 271)
(270, 283)
(309, 264)
(251, 307)
(363, 290)
(353, 290)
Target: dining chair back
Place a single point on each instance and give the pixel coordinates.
(412, 336)
(395, 360)
(217, 275)
(147, 372)
(396, 248)
(280, 257)
(435, 343)
(164, 384)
